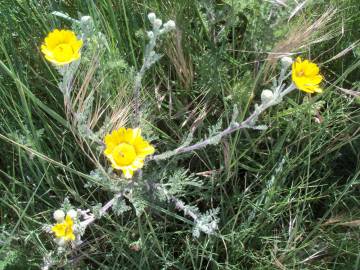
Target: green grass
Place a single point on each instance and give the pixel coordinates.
(297, 218)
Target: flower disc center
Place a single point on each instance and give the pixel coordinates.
(63, 51)
(124, 154)
(300, 73)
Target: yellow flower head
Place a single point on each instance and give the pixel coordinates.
(126, 150)
(64, 230)
(61, 47)
(306, 77)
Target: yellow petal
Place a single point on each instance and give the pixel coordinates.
(311, 70)
(137, 164)
(59, 229)
(115, 166)
(318, 90)
(77, 45)
(316, 79)
(126, 150)
(61, 47)
(68, 220)
(131, 135)
(147, 150)
(119, 135)
(69, 237)
(306, 77)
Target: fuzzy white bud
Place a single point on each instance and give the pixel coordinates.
(72, 213)
(150, 34)
(157, 23)
(170, 25)
(152, 17)
(266, 96)
(85, 18)
(59, 215)
(152, 54)
(286, 61)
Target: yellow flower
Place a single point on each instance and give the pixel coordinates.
(61, 47)
(64, 230)
(126, 150)
(306, 77)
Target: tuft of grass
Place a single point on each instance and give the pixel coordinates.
(288, 195)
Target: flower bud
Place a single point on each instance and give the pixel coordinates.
(152, 54)
(152, 17)
(170, 25)
(72, 213)
(59, 215)
(266, 96)
(157, 23)
(150, 34)
(85, 18)
(286, 61)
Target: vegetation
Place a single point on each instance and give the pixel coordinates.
(287, 196)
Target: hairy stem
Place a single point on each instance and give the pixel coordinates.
(179, 204)
(247, 123)
(137, 88)
(108, 205)
(147, 62)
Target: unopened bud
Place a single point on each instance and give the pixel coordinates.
(150, 34)
(286, 61)
(85, 18)
(59, 215)
(152, 17)
(170, 25)
(266, 96)
(157, 23)
(72, 213)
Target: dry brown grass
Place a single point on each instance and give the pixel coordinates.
(301, 36)
(181, 63)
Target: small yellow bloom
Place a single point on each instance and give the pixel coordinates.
(64, 230)
(306, 77)
(61, 47)
(126, 150)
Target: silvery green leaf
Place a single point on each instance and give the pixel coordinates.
(260, 127)
(120, 206)
(196, 232)
(64, 16)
